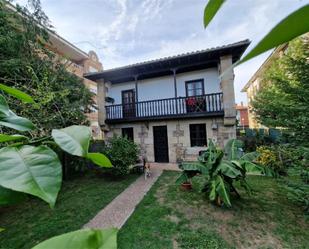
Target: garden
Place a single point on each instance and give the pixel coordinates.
(54, 178)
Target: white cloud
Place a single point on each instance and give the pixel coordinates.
(129, 31)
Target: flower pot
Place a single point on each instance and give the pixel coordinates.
(186, 186)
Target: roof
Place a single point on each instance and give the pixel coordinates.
(264, 66)
(196, 60)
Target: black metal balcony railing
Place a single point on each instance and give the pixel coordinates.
(180, 106)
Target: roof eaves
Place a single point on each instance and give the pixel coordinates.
(243, 42)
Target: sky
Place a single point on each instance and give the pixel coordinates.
(123, 32)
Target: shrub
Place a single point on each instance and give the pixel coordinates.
(123, 153)
(269, 160)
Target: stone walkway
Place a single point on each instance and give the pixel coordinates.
(116, 213)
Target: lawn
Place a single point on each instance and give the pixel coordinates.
(79, 200)
(171, 218)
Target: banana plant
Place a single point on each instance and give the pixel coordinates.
(221, 169)
(31, 167)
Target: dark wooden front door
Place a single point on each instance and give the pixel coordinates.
(160, 143)
(128, 103)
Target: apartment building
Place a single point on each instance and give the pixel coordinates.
(79, 63)
(171, 106)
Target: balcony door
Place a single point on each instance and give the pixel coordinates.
(195, 101)
(128, 103)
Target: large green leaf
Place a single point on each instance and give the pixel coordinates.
(10, 119)
(251, 167)
(99, 159)
(32, 170)
(17, 93)
(289, 28)
(73, 139)
(232, 149)
(223, 191)
(228, 169)
(194, 166)
(211, 9)
(8, 138)
(82, 239)
(182, 178)
(251, 156)
(10, 197)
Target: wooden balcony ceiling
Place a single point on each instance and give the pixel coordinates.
(183, 63)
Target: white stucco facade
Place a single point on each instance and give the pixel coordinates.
(163, 87)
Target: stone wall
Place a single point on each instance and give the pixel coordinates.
(178, 136)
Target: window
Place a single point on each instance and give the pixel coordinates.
(128, 133)
(195, 87)
(198, 135)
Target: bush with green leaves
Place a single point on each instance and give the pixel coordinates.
(29, 166)
(221, 169)
(123, 153)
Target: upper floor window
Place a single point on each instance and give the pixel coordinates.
(195, 87)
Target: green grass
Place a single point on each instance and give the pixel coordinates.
(171, 218)
(79, 200)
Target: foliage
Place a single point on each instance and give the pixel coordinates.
(299, 193)
(221, 174)
(31, 166)
(283, 99)
(83, 239)
(122, 153)
(269, 159)
(26, 64)
(36, 170)
(289, 28)
(211, 9)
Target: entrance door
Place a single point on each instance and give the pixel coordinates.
(160, 143)
(128, 103)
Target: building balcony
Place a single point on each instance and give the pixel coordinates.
(171, 108)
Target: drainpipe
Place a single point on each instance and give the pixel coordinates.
(175, 88)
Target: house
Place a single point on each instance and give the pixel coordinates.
(255, 83)
(171, 106)
(242, 116)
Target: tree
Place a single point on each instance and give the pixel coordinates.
(283, 100)
(27, 64)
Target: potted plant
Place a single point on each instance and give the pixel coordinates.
(185, 179)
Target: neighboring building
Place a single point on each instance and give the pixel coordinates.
(172, 106)
(79, 63)
(254, 84)
(242, 116)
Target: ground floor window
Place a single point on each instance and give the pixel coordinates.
(128, 133)
(198, 135)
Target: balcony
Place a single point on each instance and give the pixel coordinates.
(171, 108)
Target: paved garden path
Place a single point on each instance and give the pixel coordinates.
(116, 213)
